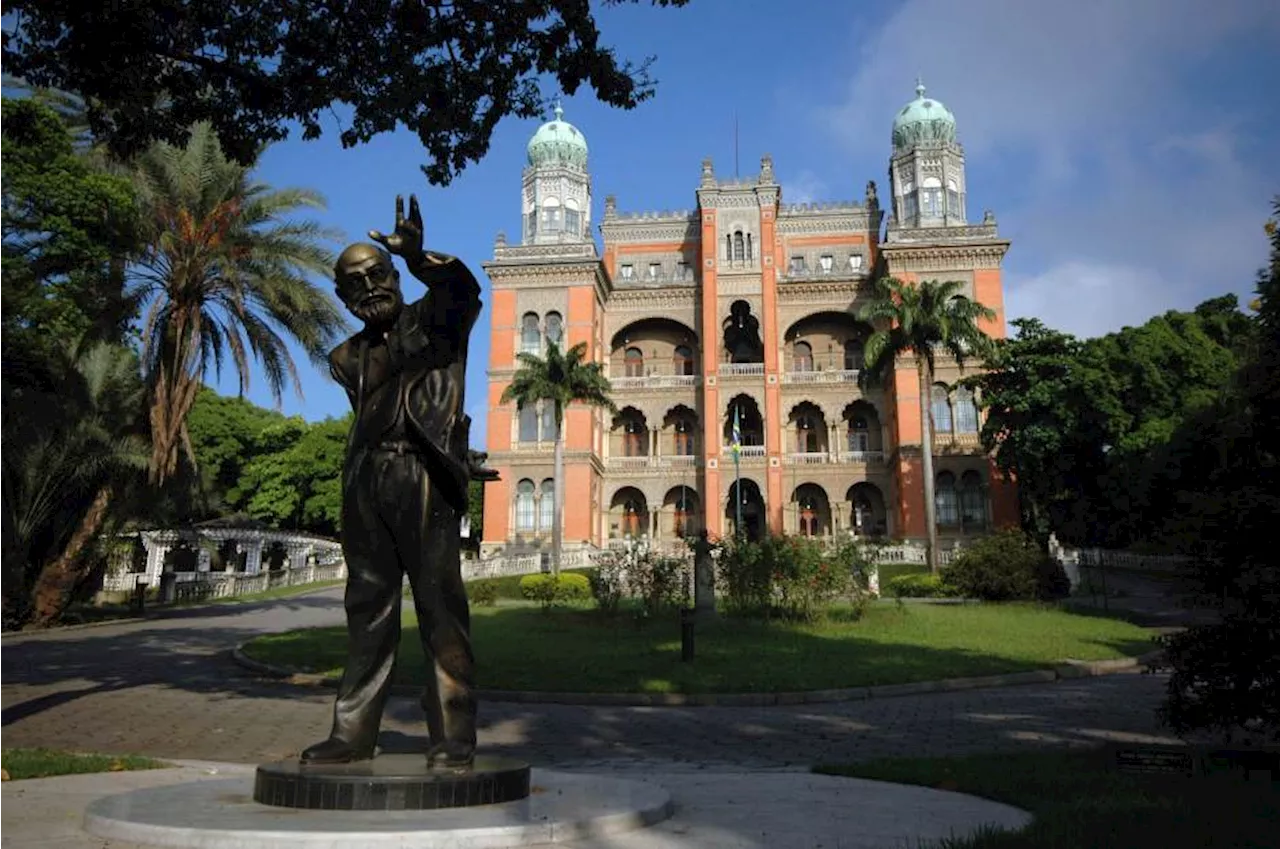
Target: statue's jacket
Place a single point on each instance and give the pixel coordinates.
(407, 388)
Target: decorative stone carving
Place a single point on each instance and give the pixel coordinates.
(944, 258)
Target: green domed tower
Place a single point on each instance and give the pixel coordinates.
(557, 186)
(926, 169)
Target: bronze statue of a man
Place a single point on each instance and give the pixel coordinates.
(404, 489)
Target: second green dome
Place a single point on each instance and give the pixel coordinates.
(923, 120)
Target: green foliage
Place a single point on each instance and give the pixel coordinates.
(922, 320)
(450, 72)
(482, 593)
(71, 437)
(659, 581)
(1226, 676)
(64, 223)
(549, 590)
(921, 585)
(788, 577)
(1005, 566)
(475, 513)
(1102, 433)
(299, 485)
(229, 268)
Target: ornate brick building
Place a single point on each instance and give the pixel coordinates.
(744, 304)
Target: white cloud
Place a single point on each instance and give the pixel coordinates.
(804, 187)
(1128, 189)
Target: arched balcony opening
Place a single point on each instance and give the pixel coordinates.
(630, 434)
(741, 332)
(863, 436)
(824, 347)
(813, 510)
(681, 513)
(867, 514)
(809, 431)
(747, 494)
(628, 514)
(681, 423)
(746, 412)
(654, 352)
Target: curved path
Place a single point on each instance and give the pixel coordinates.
(167, 687)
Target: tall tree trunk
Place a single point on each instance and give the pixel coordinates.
(557, 520)
(58, 578)
(926, 456)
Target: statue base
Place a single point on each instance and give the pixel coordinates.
(220, 813)
(390, 783)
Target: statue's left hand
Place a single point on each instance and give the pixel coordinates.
(406, 241)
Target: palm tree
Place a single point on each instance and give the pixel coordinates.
(560, 379)
(100, 452)
(226, 268)
(922, 320)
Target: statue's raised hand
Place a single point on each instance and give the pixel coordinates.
(406, 241)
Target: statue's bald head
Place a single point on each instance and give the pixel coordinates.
(359, 256)
(367, 282)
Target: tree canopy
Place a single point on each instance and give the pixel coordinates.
(448, 70)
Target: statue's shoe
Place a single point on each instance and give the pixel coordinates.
(451, 755)
(334, 751)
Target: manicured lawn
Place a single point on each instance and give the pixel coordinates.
(1079, 804)
(42, 763)
(580, 650)
(889, 571)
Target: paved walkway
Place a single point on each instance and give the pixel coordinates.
(167, 687)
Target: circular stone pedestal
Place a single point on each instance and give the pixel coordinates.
(390, 783)
(221, 814)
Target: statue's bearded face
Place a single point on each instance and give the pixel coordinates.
(369, 285)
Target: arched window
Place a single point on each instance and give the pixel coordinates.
(530, 334)
(547, 505)
(633, 439)
(548, 424)
(738, 246)
(634, 359)
(910, 203)
(528, 423)
(806, 435)
(953, 200)
(966, 411)
(931, 198)
(631, 513)
(551, 220)
(524, 505)
(728, 246)
(852, 355)
(682, 360)
(555, 328)
(750, 254)
(684, 438)
(684, 514)
(803, 357)
(973, 512)
(859, 434)
(944, 498)
(941, 409)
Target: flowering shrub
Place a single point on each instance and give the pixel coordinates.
(659, 581)
(790, 577)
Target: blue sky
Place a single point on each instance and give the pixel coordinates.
(1128, 147)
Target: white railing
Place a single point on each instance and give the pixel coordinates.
(745, 451)
(192, 586)
(655, 381)
(674, 461)
(833, 376)
(740, 369)
(810, 458)
(861, 457)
